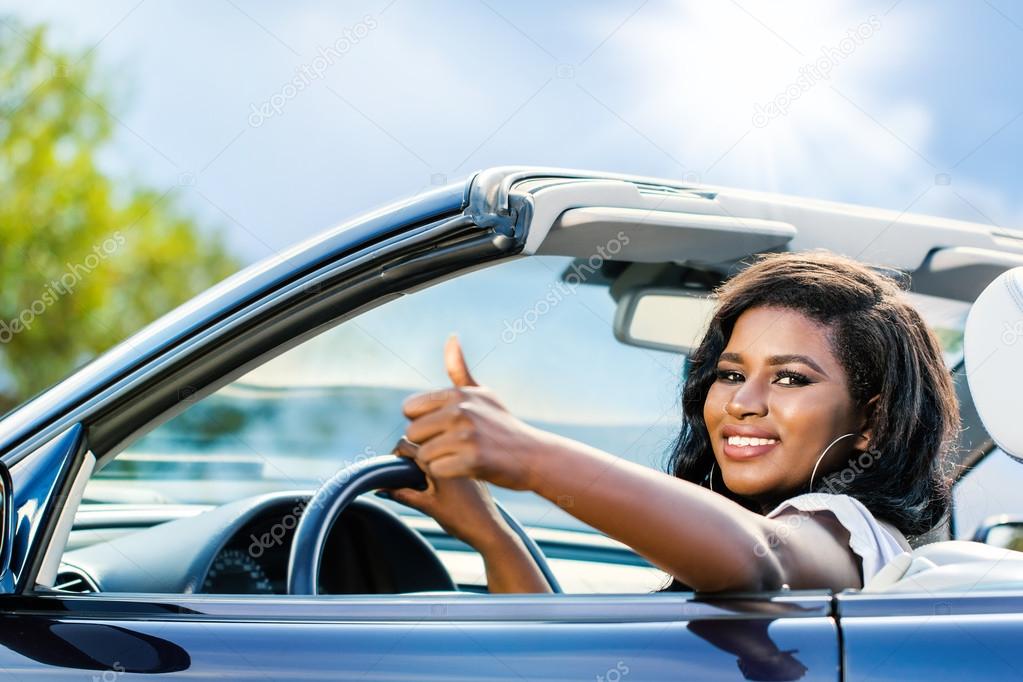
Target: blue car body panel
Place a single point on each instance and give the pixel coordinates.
(416, 638)
(939, 637)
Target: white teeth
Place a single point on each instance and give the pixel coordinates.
(745, 441)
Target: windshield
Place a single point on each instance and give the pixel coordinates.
(544, 346)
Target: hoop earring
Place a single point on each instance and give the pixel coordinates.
(809, 487)
(710, 476)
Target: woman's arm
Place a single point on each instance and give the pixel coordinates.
(703, 539)
(510, 567)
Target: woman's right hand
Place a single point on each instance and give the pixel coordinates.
(463, 507)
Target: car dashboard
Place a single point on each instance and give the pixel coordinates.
(243, 548)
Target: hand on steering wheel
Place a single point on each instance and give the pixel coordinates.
(450, 500)
(463, 507)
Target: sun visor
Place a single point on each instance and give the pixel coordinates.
(652, 236)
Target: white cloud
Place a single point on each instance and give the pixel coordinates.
(689, 79)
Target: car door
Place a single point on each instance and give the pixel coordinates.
(962, 635)
(463, 637)
(954, 633)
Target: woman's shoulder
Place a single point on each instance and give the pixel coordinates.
(875, 541)
(821, 501)
(842, 506)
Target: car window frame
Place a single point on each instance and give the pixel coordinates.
(419, 255)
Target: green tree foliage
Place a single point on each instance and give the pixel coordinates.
(85, 258)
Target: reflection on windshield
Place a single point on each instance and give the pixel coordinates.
(245, 440)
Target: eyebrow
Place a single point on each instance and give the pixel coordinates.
(777, 360)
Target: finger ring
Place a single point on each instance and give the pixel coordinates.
(408, 442)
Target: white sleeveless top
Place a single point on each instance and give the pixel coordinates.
(874, 543)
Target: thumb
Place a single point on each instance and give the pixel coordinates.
(454, 362)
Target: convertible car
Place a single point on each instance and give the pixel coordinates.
(197, 502)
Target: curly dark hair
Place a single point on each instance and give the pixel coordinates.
(884, 347)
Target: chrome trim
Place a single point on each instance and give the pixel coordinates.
(491, 189)
(48, 569)
(456, 606)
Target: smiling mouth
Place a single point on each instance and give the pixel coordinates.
(740, 447)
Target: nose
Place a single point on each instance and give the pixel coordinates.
(748, 399)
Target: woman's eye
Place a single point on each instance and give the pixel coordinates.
(728, 375)
(785, 377)
(794, 378)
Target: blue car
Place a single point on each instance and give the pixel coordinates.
(197, 503)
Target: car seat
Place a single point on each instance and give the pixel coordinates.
(993, 353)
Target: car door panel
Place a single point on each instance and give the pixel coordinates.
(460, 637)
(931, 636)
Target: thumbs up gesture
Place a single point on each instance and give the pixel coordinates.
(465, 432)
(461, 437)
(454, 363)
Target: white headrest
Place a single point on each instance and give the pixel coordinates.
(993, 350)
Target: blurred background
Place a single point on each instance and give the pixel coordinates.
(148, 148)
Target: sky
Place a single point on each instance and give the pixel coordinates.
(275, 121)
(906, 105)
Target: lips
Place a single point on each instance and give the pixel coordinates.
(745, 442)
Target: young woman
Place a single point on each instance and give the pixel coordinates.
(817, 412)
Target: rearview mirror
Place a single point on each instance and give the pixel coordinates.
(672, 320)
(1001, 531)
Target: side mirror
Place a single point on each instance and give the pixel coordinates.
(6, 522)
(672, 320)
(1001, 531)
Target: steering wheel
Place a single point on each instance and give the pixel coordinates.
(334, 496)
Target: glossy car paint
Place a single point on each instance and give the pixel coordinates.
(939, 637)
(663, 637)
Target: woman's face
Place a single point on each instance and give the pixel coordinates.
(778, 379)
